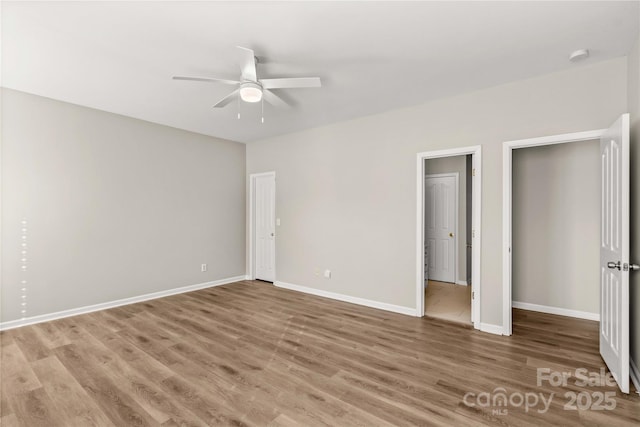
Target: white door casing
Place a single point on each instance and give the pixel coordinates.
(441, 218)
(264, 219)
(614, 251)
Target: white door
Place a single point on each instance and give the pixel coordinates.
(614, 251)
(441, 218)
(265, 212)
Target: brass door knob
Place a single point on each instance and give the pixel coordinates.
(450, 234)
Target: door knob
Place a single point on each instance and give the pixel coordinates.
(450, 234)
(614, 265)
(634, 267)
(273, 234)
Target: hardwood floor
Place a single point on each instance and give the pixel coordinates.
(448, 301)
(253, 354)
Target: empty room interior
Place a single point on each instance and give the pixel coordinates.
(319, 213)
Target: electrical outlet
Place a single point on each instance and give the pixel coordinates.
(327, 274)
(203, 267)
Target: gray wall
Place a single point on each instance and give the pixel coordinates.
(633, 75)
(556, 228)
(346, 193)
(115, 207)
(456, 164)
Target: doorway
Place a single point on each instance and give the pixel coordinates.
(556, 229)
(262, 224)
(508, 149)
(475, 195)
(447, 290)
(613, 240)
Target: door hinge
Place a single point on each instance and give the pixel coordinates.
(473, 295)
(473, 172)
(473, 233)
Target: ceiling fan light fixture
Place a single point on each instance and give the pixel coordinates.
(251, 92)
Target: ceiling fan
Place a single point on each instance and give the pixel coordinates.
(252, 89)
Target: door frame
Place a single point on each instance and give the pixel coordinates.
(476, 224)
(456, 211)
(507, 208)
(252, 220)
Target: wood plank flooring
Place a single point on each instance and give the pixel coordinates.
(252, 354)
(448, 301)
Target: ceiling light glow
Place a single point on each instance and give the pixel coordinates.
(251, 92)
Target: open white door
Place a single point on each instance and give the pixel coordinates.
(614, 251)
(265, 223)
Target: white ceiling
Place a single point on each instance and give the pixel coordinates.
(371, 56)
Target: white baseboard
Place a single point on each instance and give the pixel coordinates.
(410, 311)
(462, 283)
(556, 310)
(102, 306)
(492, 329)
(634, 373)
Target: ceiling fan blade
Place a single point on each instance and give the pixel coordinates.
(274, 99)
(207, 79)
(291, 83)
(248, 64)
(227, 99)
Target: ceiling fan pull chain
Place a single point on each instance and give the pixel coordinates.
(238, 106)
